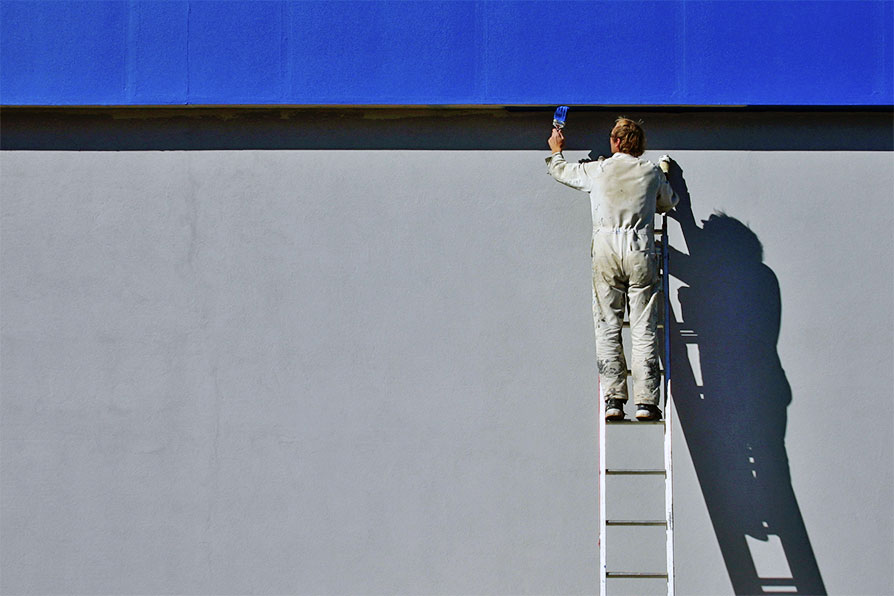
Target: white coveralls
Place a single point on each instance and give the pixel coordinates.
(625, 192)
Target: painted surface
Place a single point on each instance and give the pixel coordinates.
(144, 52)
(367, 371)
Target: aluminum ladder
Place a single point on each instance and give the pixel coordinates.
(661, 245)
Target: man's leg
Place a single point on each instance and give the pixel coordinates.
(644, 303)
(610, 298)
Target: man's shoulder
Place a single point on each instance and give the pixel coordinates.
(594, 167)
(649, 165)
(625, 160)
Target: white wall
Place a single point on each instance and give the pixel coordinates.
(311, 371)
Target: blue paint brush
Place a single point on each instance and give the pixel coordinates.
(559, 117)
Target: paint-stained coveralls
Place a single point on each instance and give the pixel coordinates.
(625, 193)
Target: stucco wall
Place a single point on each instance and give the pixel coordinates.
(372, 371)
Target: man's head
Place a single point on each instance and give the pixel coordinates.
(628, 137)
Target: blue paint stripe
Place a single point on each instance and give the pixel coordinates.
(144, 52)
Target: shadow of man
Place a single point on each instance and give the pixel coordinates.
(734, 412)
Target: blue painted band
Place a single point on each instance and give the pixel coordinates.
(182, 52)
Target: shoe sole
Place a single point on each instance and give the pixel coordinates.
(614, 414)
(647, 416)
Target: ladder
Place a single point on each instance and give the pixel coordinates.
(618, 474)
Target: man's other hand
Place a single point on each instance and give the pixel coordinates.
(665, 162)
(556, 141)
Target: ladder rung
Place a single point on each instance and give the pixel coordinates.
(635, 422)
(635, 472)
(636, 575)
(635, 522)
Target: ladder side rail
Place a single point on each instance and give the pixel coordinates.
(602, 467)
(668, 409)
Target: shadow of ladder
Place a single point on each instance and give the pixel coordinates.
(666, 425)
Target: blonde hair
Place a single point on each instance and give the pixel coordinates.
(630, 136)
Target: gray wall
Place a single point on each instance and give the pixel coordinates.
(311, 371)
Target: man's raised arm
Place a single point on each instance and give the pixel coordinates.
(569, 174)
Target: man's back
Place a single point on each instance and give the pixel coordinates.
(626, 192)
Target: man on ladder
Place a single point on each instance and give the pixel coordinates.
(625, 193)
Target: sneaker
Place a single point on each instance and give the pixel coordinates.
(614, 409)
(646, 412)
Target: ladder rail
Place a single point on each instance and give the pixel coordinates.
(602, 473)
(668, 409)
